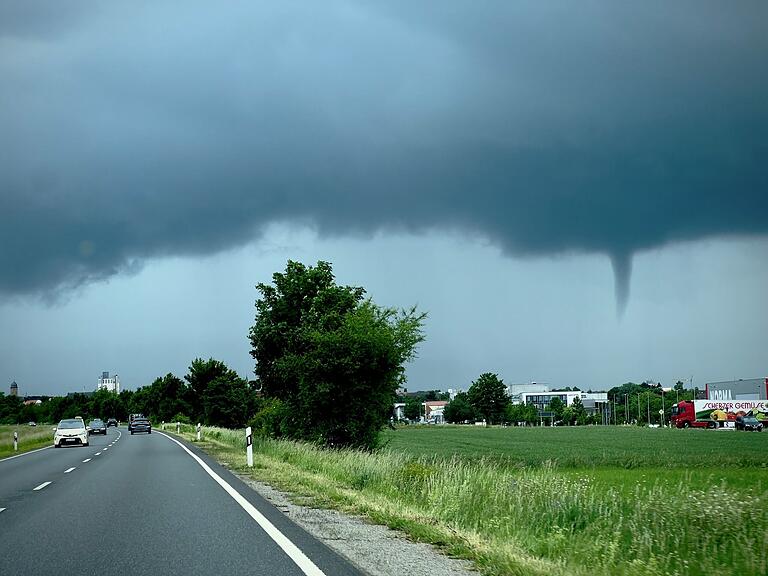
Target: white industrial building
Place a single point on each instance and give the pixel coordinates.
(107, 382)
(593, 402)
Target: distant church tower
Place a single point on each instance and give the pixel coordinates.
(14, 389)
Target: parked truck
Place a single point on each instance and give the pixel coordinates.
(717, 413)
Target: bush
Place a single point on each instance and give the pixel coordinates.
(270, 418)
(181, 418)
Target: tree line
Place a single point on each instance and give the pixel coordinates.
(210, 392)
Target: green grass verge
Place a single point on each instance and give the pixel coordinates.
(30, 438)
(532, 501)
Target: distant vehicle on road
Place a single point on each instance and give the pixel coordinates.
(30, 423)
(748, 423)
(97, 426)
(132, 417)
(112, 422)
(141, 425)
(70, 431)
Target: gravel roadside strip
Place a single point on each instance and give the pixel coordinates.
(377, 550)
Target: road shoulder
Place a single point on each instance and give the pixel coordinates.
(377, 550)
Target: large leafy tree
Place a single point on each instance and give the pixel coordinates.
(200, 375)
(488, 397)
(412, 409)
(557, 406)
(333, 358)
(226, 401)
(459, 409)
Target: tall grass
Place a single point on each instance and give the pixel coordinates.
(30, 438)
(528, 520)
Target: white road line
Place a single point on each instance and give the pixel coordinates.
(97, 454)
(1, 509)
(43, 485)
(25, 454)
(68, 470)
(86, 460)
(106, 447)
(294, 553)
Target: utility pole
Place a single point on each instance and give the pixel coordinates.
(648, 397)
(626, 408)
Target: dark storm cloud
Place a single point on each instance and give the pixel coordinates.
(154, 129)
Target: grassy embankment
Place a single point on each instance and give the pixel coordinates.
(30, 438)
(603, 501)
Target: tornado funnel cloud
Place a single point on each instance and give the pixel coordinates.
(622, 274)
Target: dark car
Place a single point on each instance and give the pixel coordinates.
(141, 425)
(132, 417)
(97, 426)
(112, 422)
(748, 423)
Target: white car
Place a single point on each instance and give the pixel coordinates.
(70, 431)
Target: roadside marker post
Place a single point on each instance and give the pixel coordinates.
(249, 446)
(177, 427)
(15, 441)
(199, 428)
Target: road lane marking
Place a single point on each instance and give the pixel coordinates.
(43, 485)
(294, 552)
(97, 454)
(86, 460)
(106, 448)
(24, 454)
(68, 470)
(1, 509)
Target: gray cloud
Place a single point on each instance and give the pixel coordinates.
(155, 129)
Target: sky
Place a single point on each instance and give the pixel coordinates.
(576, 194)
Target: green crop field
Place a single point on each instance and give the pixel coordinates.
(555, 501)
(586, 446)
(30, 437)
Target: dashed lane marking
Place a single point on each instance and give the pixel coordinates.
(68, 470)
(97, 454)
(43, 485)
(86, 460)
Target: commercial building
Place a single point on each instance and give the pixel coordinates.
(593, 402)
(433, 411)
(515, 391)
(749, 389)
(109, 383)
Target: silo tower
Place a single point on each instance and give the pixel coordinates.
(14, 389)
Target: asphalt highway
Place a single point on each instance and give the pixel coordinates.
(145, 504)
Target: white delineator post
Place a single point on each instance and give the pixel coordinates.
(249, 446)
(15, 441)
(178, 427)
(199, 427)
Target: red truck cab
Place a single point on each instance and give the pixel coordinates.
(684, 416)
